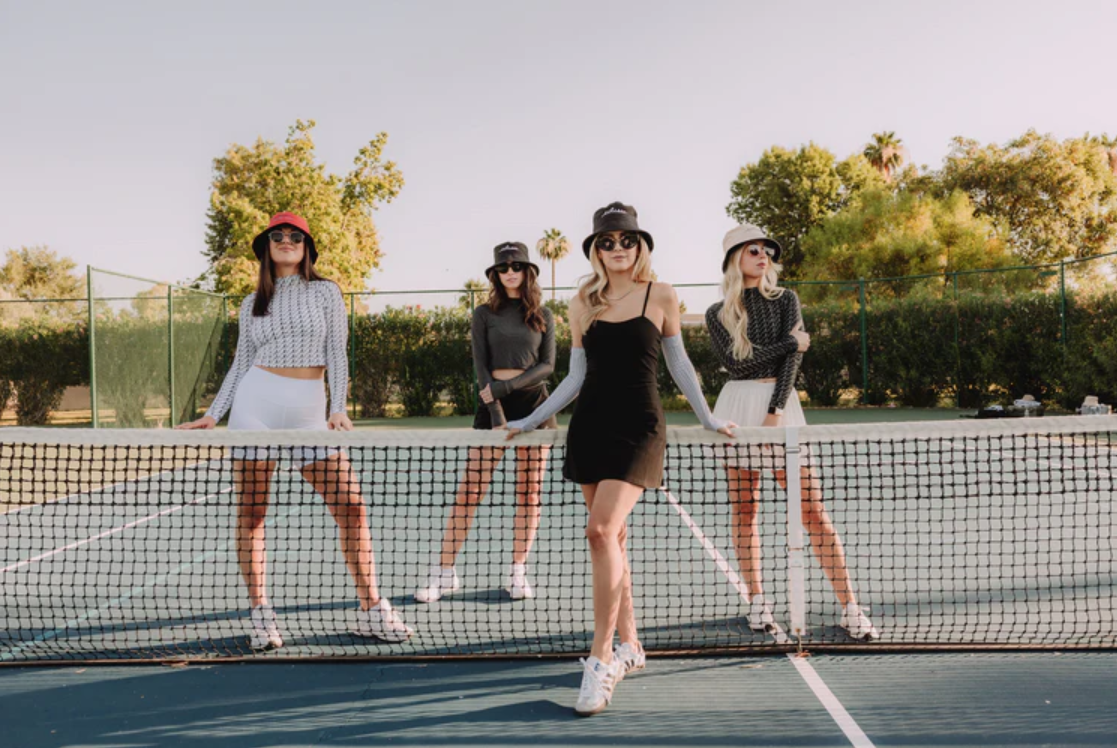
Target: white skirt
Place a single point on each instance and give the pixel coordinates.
(267, 401)
(745, 403)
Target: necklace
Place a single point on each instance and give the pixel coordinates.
(619, 298)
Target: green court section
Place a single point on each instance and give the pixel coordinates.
(955, 535)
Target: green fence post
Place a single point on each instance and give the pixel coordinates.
(1063, 304)
(171, 350)
(476, 389)
(864, 344)
(92, 353)
(957, 347)
(352, 352)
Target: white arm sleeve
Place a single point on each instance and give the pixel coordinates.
(562, 396)
(682, 371)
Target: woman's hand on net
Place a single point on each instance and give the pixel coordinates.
(340, 422)
(205, 422)
(510, 433)
(727, 429)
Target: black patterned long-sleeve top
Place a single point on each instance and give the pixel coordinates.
(775, 353)
(502, 340)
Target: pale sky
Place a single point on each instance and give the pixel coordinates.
(506, 118)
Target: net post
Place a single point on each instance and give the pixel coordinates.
(796, 576)
(171, 351)
(92, 353)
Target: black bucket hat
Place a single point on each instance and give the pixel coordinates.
(510, 252)
(615, 217)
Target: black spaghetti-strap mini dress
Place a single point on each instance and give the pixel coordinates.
(618, 430)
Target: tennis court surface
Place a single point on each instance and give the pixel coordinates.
(983, 552)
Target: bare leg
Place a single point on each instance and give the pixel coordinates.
(252, 482)
(610, 502)
(480, 463)
(335, 481)
(626, 614)
(531, 462)
(743, 496)
(825, 543)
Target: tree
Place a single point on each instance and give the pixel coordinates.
(1051, 200)
(475, 292)
(787, 193)
(553, 246)
(886, 235)
(885, 152)
(38, 273)
(252, 183)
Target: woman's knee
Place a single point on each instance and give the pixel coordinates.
(601, 534)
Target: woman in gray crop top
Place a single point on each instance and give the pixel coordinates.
(513, 353)
(757, 333)
(293, 329)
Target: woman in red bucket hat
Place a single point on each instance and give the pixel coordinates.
(293, 330)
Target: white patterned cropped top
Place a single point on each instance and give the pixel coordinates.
(306, 325)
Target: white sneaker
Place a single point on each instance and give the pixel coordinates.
(439, 582)
(518, 586)
(760, 615)
(857, 624)
(631, 658)
(598, 682)
(382, 622)
(265, 629)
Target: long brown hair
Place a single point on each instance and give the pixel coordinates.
(265, 281)
(530, 295)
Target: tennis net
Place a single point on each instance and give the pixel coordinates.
(121, 544)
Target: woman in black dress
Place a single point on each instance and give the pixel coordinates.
(619, 321)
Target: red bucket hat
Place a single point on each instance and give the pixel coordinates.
(260, 243)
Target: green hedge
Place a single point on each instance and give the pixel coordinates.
(40, 359)
(921, 351)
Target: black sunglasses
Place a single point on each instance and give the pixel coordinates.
(755, 250)
(504, 267)
(295, 236)
(607, 244)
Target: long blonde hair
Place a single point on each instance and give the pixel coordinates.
(733, 314)
(591, 292)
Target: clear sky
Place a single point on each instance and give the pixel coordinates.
(506, 118)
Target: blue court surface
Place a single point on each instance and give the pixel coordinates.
(976, 699)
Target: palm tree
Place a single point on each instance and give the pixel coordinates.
(553, 246)
(886, 153)
(472, 293)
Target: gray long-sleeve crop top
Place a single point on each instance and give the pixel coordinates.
(306, 325)
(502, 340)
(775, 353)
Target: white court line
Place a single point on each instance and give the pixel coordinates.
(113, 531)
(719, 560)
(849, 727)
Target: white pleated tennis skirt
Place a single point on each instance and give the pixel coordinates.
(745, 403)
(267, 402)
